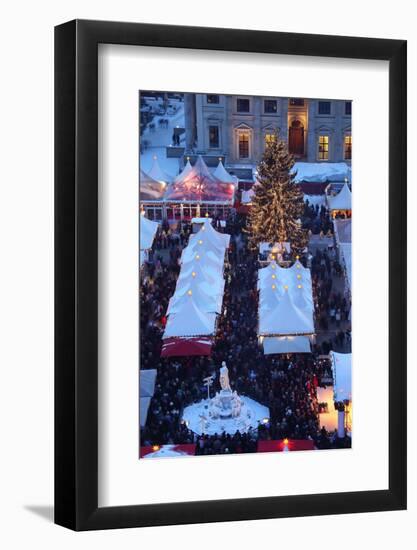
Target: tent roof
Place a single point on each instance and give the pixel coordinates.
(342, 375)
(190, 322)
(219, 239)
(342, 201)
(185, 171)
(222, 174)
(180, 347)
(286, 344)
(157, 173)
(148, 230)
(198, 184)
(205, 301)
(286, 318)
(149, 188)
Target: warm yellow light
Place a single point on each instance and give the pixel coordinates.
(286, 287)
(298, 276)
(197, 257)
(193, 273)
(273, 266)
(200, 242)
(285, 441)
(189, 292)
(274, 276)
(206, 214)
(273, 256)
(274, 287)
(297, 257)
(299, 286)
(155, 447)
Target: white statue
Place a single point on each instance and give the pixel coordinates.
(224, 377)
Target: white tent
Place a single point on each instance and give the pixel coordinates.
(148, 230)
(206, 259)
(215, 237)
(342, 201)
(157, 173)
(343, 235)
(190, 321)
(286, 318)
(146, 390)
(286, 344)
(150, 189)
(185, 172)
(212, 283)
(222, 174)
(342, 375)
(203, 244)
(201, 294)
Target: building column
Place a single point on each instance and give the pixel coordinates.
(190, 122)
(284, 119)
(257, 148)
(311, 133)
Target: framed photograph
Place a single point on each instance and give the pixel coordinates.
(230, 229)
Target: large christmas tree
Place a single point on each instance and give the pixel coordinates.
(278, 202)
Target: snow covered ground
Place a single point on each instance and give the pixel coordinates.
(166, 451)
(251, 415)
(159, 139)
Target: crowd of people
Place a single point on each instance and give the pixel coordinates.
(287, 385)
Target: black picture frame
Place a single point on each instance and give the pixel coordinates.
(76, 272)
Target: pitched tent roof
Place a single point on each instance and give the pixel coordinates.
(210, 281)
(148, 230)
(157, 173)
(198, 184)
(342, 201)
(207, 303)
(286, 318)
(222, 174)
(149, 188)
(342, 375)
(217, 238)
(286, 344)
(185, 171)
(190, 322)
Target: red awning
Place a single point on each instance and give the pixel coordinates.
(179, 347)
(279, 445)
(162, 451)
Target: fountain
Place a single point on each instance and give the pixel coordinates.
(225, 412)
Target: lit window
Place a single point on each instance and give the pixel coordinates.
(348, 108)
(323, 147)
(213, 137)
(242, 105)
(269, 138)
(244, 145)
(270, 106)
(324, 107)
(213, 99)
(297, 102)
(348, 147)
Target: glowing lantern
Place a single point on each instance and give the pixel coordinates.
(189, 292)
(193, 273)
(155, 447)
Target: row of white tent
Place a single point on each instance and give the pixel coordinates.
(286, 308)
(197, 300)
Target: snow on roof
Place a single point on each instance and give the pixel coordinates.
(222, 174)
(190, 322)
(342, 375)
(342, 201)
(198, 184)
(321, 171)
(150, 188)
(207, 231)
(157, 173)
(208, 303)
(286, 318)
(148, 230)
(285, 300)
